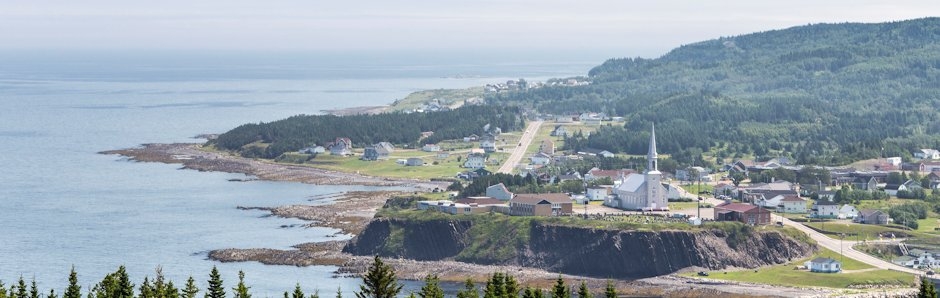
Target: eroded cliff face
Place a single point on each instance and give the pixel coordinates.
(575, 250)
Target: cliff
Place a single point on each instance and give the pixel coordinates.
(578, 250)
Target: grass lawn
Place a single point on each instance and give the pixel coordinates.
(683, 205)
(695, 188)
(446, 96)
(865, 232)
(785, 275)
(389, 168)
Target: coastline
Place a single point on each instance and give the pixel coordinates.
(351, 212)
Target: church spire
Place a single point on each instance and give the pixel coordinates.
(652, 157)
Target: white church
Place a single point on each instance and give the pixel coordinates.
(642, 191)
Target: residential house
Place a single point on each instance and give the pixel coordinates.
(591, 119)
(475, 161)
(911, 185)
(921, 260)
(727, 189)
(414, 162)
(341, 146)
(547, 147)
(546, 204)
(430, 148)
(499, 191)
(871, 216)
(848, 211)
(559, 131)
(378, 151)
(614, 175)
(371, 153)
(893, 189)
(597, 193)
(825, 209)
(443, 155)
(596, 152)
(471, 175)
(745, 213)
(488, 145)
(824, 265)
(869, 184)
(792, 204)
(895, 161)
(826, 195)
(932, 166)
(471, 138)
(927, 154)
(934, 178)
(464, 206)
(564, 119)
(693, 174)
(541, 159)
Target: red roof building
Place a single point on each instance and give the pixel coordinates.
(745, 213)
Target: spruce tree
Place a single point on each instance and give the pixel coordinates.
(33, 290)
(431, 288)
(339, 292)
(511, 286)
(927, 289)
(52, 294)
(379, 281)
(610, 291)
(146, 290)
(170, 291)
(3, 290)
(298, 293)
(241, 290)
(316, 294)
(495, 287)
(583, 291)
(190, 290)
(125, 287)
(21, 289)
(560, 290)
(159, 283)
(469, 290)
(215, 289)
(73, 290)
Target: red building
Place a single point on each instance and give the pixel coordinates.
(745, 213)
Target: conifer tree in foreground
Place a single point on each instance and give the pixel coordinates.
(298, 293)
(927, 289)
(610, 291)
(379, 281)
(21, 289)
(3, 290)
(241, 290)
(469, 290)
(33, 290)
(215, 289)
(146, 290)
(190, 290)
(73, 290)
(339, 292)
(560, 290)
(583, 291)
(431, 288)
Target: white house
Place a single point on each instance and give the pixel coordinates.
(430, 148)
(894, 161)
(342, 146)
(414, 162)
(826, 209)
(499, 191)
(793, 204)
(475, 161)
(927, 154)
(824, 265)
(597, 193)
(541, 159)
(848, 211)
(488, 145)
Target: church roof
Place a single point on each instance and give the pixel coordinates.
(632, 183)
(652, 152)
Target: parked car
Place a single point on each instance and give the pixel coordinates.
(702, 273)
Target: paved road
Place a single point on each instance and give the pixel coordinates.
(531, 130)
(846, 248)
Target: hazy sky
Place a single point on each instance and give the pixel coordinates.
(633, 28)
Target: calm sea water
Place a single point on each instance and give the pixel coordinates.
(64, 205)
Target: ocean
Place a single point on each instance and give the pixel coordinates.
(64, 205)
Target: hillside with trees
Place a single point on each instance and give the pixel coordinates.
(824, 94)
(269, 140)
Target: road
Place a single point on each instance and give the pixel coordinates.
(845, 247)
(531, 130)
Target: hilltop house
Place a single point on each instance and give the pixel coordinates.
(792, 204)
(934, 178)
(341, 146)
(475, 161)
(499, 191)
(825, 209)
(559, 131)
(745, 213)
(927, 154)
(545, 204)
(869, 184)
(824, 265)
(541, 158)
(488, 145)
(871, 216)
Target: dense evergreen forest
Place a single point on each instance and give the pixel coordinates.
(398, 128)
(825, 94)
(379, 281)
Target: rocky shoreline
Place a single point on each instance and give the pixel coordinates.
(351, 212)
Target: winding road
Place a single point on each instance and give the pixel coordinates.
(530, 131)
(845, 247)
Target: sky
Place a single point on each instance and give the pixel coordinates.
(629, 28)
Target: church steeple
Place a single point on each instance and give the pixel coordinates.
(652, 158)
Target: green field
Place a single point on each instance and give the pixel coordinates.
(447, 97)
(863, 231)
(786, 275)
(446, 168)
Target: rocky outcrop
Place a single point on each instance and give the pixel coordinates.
(578, 250)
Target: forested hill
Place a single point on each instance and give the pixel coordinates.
(271, 139)
(826, 93)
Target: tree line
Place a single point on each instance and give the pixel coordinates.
(270, 140)
(379, 281)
